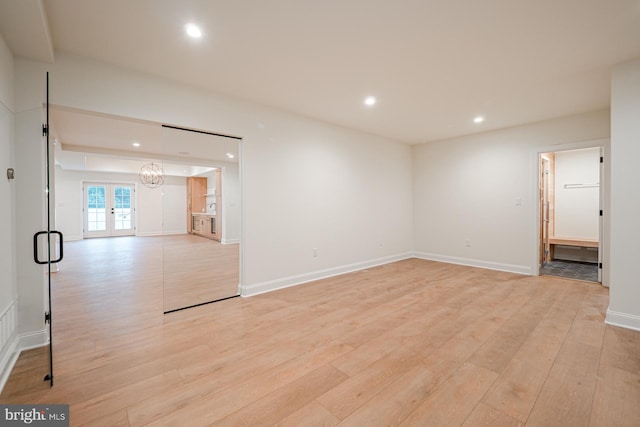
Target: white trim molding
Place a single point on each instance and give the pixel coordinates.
(623, 320)
(229, 241)
(510, 268)
(162, 233)
(35, 339)
(9, 350)
(286, 282)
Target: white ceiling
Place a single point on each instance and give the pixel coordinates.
(432, 64)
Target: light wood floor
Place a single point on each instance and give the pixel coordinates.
(191, 269)
(413, 343)
(198, 270)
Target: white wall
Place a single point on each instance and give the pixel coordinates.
(306, 184)
(8, 282)
(576, 209)
(231, 203)
(158, 210)
(174, 207)
(467, 189)
(624, 294)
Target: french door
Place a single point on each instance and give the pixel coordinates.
(109, 209)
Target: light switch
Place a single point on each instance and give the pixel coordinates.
(518, 201)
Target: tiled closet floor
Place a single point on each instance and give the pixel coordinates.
(571, 269)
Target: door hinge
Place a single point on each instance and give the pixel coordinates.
(600, 212)
(45, 129)
(601, 159)
(600, 265)
(47, 317)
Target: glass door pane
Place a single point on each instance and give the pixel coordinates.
(95, 210)
(122, 210)
(201, 200)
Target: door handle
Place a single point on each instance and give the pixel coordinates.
(35, 247)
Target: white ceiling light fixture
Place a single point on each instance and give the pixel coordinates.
(136, 144)
(229, 155)
(370, 101)
(193, 31)
(478, 119)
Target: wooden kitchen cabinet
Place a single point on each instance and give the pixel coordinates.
(196, 203)
(204, 225)
(207, 225)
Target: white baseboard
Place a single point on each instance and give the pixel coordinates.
(229, 241)
(511, 268)
(260, 288)
(163, 233)
(34, 339)
(623, 320)
(73, 238)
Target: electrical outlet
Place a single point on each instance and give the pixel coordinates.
(315, 252)
(467, 243)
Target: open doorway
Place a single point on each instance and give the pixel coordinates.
(570, 200)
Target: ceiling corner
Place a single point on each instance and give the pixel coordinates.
(24, 26)
(48, 40)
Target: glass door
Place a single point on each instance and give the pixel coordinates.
(201, 217)
(108, 210)
(48, 244)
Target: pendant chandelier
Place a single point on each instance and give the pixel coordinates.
(151, 175)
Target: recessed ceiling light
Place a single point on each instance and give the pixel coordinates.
(478, 119)
(229, 155)
(193, 31)
(370, 100)
(136, 144)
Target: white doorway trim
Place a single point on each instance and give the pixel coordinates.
(535, 208)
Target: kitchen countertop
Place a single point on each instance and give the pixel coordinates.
(203, 214)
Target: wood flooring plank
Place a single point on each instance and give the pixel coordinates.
(452, 402)
(109, 378)
(484, 415)
(224, 375)
(394, 403)
(114, 419)
(500, 348)
(367, 354)
(567, 395)
(621, 349)
(344, 399)
(219, 404)
(440, 330)
(311, 415)
(516, 389)
(285, 401)
(616, 398)
(108, 403)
